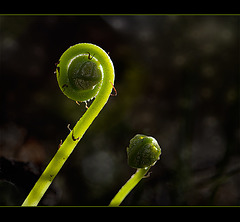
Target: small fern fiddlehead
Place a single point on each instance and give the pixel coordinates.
(143, 152)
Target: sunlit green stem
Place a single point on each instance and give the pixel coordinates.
(131, 183)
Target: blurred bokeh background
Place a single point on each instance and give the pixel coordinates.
(177, 79)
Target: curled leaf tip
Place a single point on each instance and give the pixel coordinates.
(80, 71)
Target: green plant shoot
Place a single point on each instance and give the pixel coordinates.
(84, 71)
(143, 152)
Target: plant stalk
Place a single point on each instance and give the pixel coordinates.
(129, 185)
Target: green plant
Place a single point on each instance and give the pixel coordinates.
(84, 71)
(143, 152)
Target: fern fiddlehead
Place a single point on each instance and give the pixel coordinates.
(143, 152)
(84, 71)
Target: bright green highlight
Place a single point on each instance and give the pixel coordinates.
(101, 97)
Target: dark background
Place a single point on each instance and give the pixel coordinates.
(177, 79)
